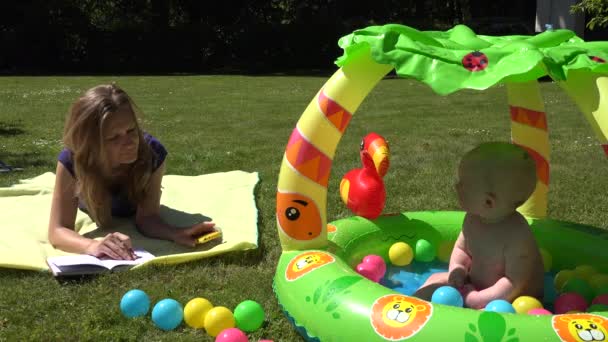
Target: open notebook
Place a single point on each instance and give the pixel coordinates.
(83, 264)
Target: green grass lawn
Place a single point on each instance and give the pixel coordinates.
(221, 123)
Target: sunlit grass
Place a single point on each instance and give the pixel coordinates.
(220, 123)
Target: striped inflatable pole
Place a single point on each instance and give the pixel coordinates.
(304, 174)
(529, 130)
(590, 93)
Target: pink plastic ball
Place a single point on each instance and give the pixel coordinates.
(231, 335)
(378, 263)
(601, 299)
(570, 301)
(369, 271)
(539, 311)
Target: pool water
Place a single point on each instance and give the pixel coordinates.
(407, 279)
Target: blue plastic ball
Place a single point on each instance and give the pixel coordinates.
(447, 295)
(135, 303)
(167, 314)
(500, 305)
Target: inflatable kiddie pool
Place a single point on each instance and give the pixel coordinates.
(315, 280)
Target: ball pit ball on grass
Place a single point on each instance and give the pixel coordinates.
(167, 314)
(135, 303)
(231, 335)
(447, 295)
(570, 301)
(218, 319)
(400, 254)
(249, 316)
(500, 305)
(195, 312)
(524, 304)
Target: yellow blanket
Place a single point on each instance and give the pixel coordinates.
(226, 198)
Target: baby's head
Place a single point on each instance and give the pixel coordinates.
(494, 179)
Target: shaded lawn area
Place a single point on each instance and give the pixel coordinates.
(220, 123)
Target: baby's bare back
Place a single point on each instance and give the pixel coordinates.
(507, 248)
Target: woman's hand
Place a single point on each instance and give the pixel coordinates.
(189, 236)
(114, 245)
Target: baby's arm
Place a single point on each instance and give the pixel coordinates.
(460, 261)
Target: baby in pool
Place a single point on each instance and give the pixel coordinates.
(495, 255)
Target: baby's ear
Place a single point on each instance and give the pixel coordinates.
(489, 200)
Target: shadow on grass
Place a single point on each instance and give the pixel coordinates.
(10, 129)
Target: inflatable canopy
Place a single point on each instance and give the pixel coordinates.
(315, 282)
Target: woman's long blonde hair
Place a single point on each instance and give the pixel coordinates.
(83, 136)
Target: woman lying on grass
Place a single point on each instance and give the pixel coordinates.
(110, 167)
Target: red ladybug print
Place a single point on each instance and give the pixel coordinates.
(597, 59)
(475, 61)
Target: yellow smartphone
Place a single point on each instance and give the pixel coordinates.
(209, 236)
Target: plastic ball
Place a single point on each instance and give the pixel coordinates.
(547, 259)
(444, 252)
(523, 304)
(539, 311)
(231, 335)
(570, 301)
(598, 308)
(601, 299)
(585, 272)
(425, 252)
(400, 254)
(249, 316)
(562, 277)
(447, 295)
(218, 319)
(601, 290)
(598, 280)
(369, 271)
(195, 311)
(167, 314)
(135, 303)
(579, 286)
(499, 305)
(377, 262)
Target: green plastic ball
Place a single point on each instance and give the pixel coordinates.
(425, 252)
(598, 308)
(579, 286)
(249, 316)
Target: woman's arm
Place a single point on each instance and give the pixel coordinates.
(149, 222)
(61, 232)
(63, 214)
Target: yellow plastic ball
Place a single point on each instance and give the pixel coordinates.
(547, 259)
(585, 272)
(523, 304)
(444, 251)
(561, 278)
(195, 311)
(598, 281)
(401, 254)
(218, 319)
